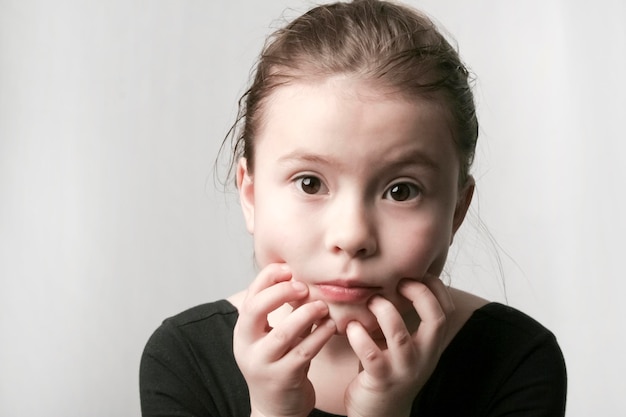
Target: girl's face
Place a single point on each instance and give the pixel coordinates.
(355, 190)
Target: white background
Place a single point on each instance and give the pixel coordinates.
(111, 116)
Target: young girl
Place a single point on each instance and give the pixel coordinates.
(357, 136)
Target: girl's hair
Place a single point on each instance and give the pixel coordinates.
(389, 45)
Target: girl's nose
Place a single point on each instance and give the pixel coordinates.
(352, 231)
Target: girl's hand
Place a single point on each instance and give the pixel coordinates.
(393, 375)
(275, 361)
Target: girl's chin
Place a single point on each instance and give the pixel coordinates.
(342, 315)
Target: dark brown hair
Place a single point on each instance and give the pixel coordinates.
(388, 44)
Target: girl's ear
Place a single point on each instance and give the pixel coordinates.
(245, 185)
(462, 205)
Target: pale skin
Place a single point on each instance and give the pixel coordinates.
(353, 203)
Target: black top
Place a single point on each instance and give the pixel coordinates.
(501, 363)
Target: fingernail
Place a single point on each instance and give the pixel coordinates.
(373, 299)
(322, 305)
(284, 267)
(351, 325)
(405, 282)
(299, 286)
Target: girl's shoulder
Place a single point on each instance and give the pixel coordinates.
(465, 304)
(207, 311)
(499, 359)
(472, 311)
(187, 361)
(191, 327)
(474, 316)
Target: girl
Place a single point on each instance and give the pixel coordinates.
(353, 169)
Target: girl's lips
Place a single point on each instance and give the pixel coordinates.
(343, 293)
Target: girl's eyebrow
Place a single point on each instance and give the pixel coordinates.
(417, 157)
(413, 157)
(410, 158)
(301, 156)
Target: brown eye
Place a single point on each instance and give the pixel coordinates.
(402, 191)
(309, 184)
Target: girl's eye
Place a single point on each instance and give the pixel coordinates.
(402, 191)
(309, 184)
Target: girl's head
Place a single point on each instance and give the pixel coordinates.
(386, 45)
(357, 136)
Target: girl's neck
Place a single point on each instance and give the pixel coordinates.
(331, 371)
(338, 349)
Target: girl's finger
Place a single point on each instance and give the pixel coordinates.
(370, 355)
(252, 322)
(431, 330)
(441, 292)
(311, 345)
(286, 334)
(398, 339)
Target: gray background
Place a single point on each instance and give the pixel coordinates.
(111, 116)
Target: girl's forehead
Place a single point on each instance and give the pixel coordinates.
(347, 117)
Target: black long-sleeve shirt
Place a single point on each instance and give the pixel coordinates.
(501, 363)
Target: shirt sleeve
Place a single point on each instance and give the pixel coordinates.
(168, 383)
(536, 385)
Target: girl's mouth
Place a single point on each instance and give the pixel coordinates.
(345, 292)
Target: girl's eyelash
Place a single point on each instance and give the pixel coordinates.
(310, 184)
(399, 191)
(402, 191)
